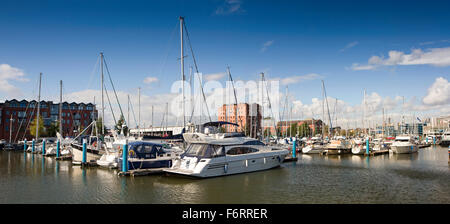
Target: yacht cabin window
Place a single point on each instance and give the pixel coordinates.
(241, 150)
(204, 151)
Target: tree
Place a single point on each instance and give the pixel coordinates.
(293, 129)
(304, 130)
(99, 126)
(51, 131)
(41, 127)
(119, 125)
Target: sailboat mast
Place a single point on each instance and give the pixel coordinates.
(262, 105)
(38, 107)
(139, 111)
(103, 107)
(152, 119)
(364, 111)
(60, 107)
(182, 67)
(323, 111)
(128, 112)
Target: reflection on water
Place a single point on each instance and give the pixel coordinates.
(422, 177)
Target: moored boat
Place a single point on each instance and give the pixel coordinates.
(404, 144)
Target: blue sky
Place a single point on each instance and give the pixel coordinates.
(284, 39)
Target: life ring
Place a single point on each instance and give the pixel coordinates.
(94, 144)
(131, 153)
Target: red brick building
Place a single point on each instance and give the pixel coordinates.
(248, 117)
(314, 125)
(74, 117)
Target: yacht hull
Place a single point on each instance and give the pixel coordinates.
(91, 155)
(312, 150)
(231, 167)
(404, 149)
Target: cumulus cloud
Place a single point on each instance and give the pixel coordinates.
(299, 78)
(157, 101)
(230, 7)
(266, 45)
(434, 56)
(215, 76)
(150, 79)
(8, 74)
(438, 93)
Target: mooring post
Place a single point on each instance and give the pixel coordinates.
(293, 147)
(367, 146)
(43, 147)
(25, 145)
(125, 157)
(84, 152)
(32, 146)
(58, 145)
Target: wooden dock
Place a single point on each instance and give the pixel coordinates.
(142, 172)
(290, 159)
(86, 164)
(68, 157)
(377, 152)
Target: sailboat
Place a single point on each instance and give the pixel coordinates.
(94, 145)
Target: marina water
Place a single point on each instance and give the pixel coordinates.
(422, 177)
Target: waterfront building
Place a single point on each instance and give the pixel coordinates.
(75, 117)
(157, 131)
(248, 118)
(283, 126)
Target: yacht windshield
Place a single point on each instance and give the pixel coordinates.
(204, 151)
(402, 140)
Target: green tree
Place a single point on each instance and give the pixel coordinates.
(293, 129)
(119, 124)
(99, 126)
(51, 131)
(304, 130)
(41, 127)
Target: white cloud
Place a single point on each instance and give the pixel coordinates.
(230, 7)
(215, 76)
(349, 45)
(150, 79)
(438, 93)
(266, 45)
(433, 56)
(158, 102)
(298, 78)
(7, 74)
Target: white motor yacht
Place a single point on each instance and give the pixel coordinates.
(404, 144)
(211, 155)
(445, 140)
(338, 146)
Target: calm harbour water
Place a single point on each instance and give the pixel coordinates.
(423, 177)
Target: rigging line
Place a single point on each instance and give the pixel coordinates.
(93, 71)
(196, 69)
(168, 48)
(26, 109)
(270, 105)
(21, 122)
(110, 106)
(29, 121)
(114, 89)
(134, 116)
(328, 109)
(235, 97)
